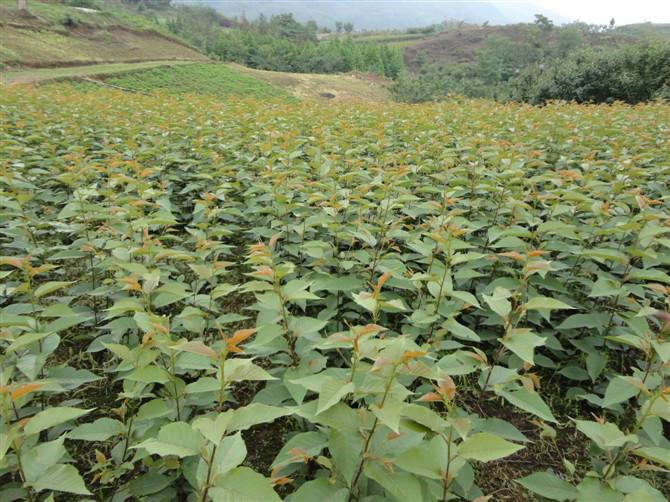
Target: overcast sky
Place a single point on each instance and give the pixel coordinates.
(601, 11)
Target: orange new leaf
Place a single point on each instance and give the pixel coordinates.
(412, 354)
(198, 348)
(385, 277)
(238, 337)
(431, 396)
(26, 389)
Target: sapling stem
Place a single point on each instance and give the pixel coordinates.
(366, 446)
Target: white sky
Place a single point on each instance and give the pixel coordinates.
(601, 11)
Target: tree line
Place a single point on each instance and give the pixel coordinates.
(280, 43)
(576, 62)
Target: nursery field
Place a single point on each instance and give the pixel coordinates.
(251, 301)
(210, 79)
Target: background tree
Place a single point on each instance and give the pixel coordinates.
(544, 22)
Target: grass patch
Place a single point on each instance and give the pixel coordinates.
(207, 79)
(104, 15)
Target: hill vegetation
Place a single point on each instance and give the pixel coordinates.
(280, 43)
(532, 62)
(220, 299)
(57, 34)
(539, 61)
(516, 62)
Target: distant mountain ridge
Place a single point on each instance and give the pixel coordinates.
(383, 14)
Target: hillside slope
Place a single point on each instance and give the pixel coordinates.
(460, 44)
(58, 35)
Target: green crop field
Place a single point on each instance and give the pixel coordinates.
(209, 79)
(253, 301)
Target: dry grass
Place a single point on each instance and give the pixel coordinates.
(349, 87)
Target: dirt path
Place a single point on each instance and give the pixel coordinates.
(45, 74)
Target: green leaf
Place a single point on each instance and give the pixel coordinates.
(459, 330)
(657, 455)
(530, 402)
(52, 417)
(71, 378)
(149, 374)
(100, 430)
(604, 287)
(5, 444)
(606, 435)
(549, 486)
(503, 429)
(618, 391)
(297, 290)
(230, 453)
(486, 447)
(213, 428)
(223, 290)
(423, 416)
(253, 414)
(389, 414)
(498, 301)
(243, 485)
(592, 489)
(523, 342)
(61, 478)
(596, 362)
(25, 340)
(50, 287)
(149, 483)
(546, 303)
(156, 408)
(42, 457)
(177, 439)
(401, 485)
(645, 493)
(606, 254)
(240, 370)
(320, 490)
(332, 392)
(465, 297)
(427, 460)
(312, 443)
(170, 293)
(649, 274)
(365, 300)
(576, 321)
(345, 451)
